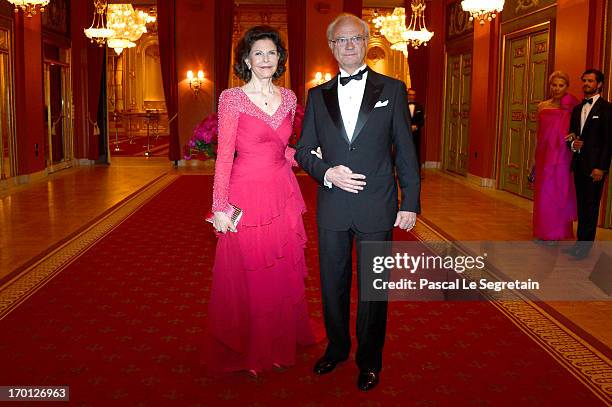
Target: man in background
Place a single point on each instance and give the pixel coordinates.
(417, 121)
(590, 140)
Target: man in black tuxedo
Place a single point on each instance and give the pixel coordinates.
(590, 140)
(417, 121)
(356, 120)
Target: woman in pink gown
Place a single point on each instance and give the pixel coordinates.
(257, 312)
(554, 204)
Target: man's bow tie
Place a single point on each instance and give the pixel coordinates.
(410, 103)
(589, 101)
(346, 79)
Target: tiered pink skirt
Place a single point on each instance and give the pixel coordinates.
(257, 312)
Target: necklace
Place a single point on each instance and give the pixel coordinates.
(265, 96)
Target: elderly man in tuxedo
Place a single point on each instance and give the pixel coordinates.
(590, 140)
(356, 120)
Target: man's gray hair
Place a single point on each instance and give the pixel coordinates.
(345, 16)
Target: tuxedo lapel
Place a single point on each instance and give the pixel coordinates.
(330, 95)
(594, 112)
(372, 91)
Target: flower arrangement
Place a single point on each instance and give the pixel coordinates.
(203, 142)
(297, 125)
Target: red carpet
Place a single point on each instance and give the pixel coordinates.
(123, 323)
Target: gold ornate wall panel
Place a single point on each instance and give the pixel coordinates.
(56, 17)
(8, 159)
(526, 65)
(458, 24)
(457, 104)
(59, 124)
(518, 8)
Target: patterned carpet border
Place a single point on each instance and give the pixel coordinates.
(581, 359)
(18, 289)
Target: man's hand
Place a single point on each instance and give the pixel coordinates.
(597, 174)
(222, 223)
(577, 144)
(343, 178)
(405, 220)
(413, 127)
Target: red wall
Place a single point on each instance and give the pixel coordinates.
(318, 55)
(79, 14)
(484, 99)
(194, 51)
(29, 94)
(434, 85)
(571, 40)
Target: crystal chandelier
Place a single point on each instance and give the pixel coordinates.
(127, 24)
(98, 32)
(482, 9)
(417, 33)
(29, 7)
(393, 27)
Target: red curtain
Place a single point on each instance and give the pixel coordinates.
(353, 7)
(166, 33)
(296, 25)
(224, 20)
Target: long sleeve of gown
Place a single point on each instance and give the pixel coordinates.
(228, 122)
(289, 151)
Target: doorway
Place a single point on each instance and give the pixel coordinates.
(58, 140)
(525, 83)
(457, 102)
(8, 163)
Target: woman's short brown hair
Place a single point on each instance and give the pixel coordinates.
(243, 49)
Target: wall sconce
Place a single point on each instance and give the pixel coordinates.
(195, 83)
(320, 78)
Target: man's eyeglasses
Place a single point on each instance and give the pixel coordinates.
(342, 41)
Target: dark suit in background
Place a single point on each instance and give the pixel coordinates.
(417, 118)
(594, 154)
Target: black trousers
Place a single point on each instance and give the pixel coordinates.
(335, 260)
(588, 196)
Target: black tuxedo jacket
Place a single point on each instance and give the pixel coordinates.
(418, 118)
(370, 152)
(597, 137)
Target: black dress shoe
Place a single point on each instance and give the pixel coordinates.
(325, 365)
(367, 380)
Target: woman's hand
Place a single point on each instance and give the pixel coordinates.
(222, 223)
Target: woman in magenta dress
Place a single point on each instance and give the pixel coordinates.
(257, 312)
(554, 204)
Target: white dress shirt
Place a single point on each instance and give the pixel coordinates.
(349, 98)
(411, 108)
(586, 109)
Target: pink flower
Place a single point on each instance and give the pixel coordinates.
(206, 130)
